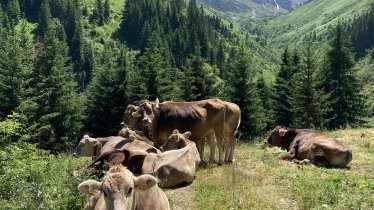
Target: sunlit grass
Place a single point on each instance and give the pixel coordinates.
(260, 180)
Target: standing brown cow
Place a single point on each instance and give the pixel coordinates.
(203, 118)
(307, 146)
(232, 123)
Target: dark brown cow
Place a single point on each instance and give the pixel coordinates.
(307, 146)
(203, 118)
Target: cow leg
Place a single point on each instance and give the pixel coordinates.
(220, 144)
(212, 144)
(232, 147)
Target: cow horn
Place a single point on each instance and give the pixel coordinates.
(157, 102)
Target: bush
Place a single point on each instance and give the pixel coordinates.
(34, 179)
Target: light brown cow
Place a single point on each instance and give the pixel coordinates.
(203, 118)
(98, 147)
(121, 190)
(307, 146)
(91, 147)
(134, 135)
(232, 123)
(177, 140)
(172, 167)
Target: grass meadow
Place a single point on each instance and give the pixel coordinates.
(258, 179)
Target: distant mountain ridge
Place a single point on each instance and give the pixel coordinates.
(253, 8)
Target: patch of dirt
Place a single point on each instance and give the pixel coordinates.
(181, 198)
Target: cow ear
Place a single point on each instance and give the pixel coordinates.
(157, 103)
(145, 182)
(187, 134)
(136, 114)
(89, 187)
(282, 132)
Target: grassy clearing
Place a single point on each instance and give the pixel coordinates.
(260, 180)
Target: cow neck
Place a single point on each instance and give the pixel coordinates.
(289, 138)
(153, 129)
(97, 149)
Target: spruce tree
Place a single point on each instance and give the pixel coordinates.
(310, 105)
(106, 95)
(107, 10)
(283, 92)
(44, 18)
(243, 91)
(13, 10)
(340, 81)
(58, 116)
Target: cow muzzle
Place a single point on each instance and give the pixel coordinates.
(75, 154)
(146, 121)
(123, 125)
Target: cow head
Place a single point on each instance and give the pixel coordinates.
(118, 187)
(129, 117)
(127, 133)
(175, 138)
(281, 137)
(147, 111)
(87, 147)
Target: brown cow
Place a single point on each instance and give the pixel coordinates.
(307, 146)
(172, 167)
(232, 123)
(126, 132)
(203, 118)
(97, 147)
(177, 140)
(120, 190)
(91, 147)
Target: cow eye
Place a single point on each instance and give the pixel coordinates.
(130, 191)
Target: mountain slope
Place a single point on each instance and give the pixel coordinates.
(314, 19)
(234, 9)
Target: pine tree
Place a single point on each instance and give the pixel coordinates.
(340, 81)
(264, 92)
(13, 11)
(283, 91)
(15, 66)
(98, 13)
(243, 92)
(44, 18)
(58, 116)
(200, 82)
(106, 10)
(106, 94)
(310, 105)
(157, 63)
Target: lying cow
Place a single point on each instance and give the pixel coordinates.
(177, 140)
(307, 146)
(134, 135)
(120, 189)
(94, 147)
(172, 167)
(204, 118)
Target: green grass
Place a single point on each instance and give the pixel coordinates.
(258, 179)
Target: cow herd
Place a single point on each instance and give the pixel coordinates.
(162, 144)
